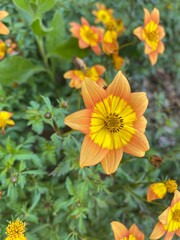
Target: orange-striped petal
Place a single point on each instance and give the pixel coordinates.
(169, 236)
(92, 93)
(161, 32)
(160, 47)
(139, 102)
(153, 57)
(3, 14)
(119, 230)
(147, 16)
(119, 86)
(140, 124)
(111, 161)
(136, 232)
(138, 145)
(155, 15)
(79, 120)
(3, 29)
(158, 231)
(138, 32)
(163, 218)
(91, 153)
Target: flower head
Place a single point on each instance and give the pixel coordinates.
(102, 13)
(122, 233)
(113, 122)
(2, 49)
(15, 230)
(88, 36)
(5, 120)
(78, 76)
(158, 190)
(169, 221)
(118, 61)
(3, 29)
(151, 34)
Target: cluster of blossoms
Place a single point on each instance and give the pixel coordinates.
(15, 230)
(7, 47)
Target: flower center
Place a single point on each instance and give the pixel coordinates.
(171, 186)
(114, 123)
(176, 215)
(88, 35)
(150, 35)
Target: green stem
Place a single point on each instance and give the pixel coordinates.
(126, 44)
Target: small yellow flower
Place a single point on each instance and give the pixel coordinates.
(15, 230)
(159, 189)
(5, 120)
(102, 13)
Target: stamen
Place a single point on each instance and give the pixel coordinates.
(176, 215)
(114, 122)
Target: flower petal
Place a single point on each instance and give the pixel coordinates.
(84, 21)
(169, 236)
(111, 161)
(158, 231)
(91, 153)
(119, 230)
(155, 15)
(96, 50)
(138, 32)
(176, 197)
(163, 218)
(3, 29)
(160, 47)
(138, 145)
(100, 69)
(153, 57)
(79, 120)
(136, 232)
(140, 124)
(138, 102)
(161, 32)
(92, 93)
(147, 16)
(119, 86)
(3, 14)
(82, 44)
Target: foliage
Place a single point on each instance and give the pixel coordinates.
(41, 181)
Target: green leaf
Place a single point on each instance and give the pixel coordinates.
(39, 29)
(17, 69)
(57, 35)
(44, 6)
(25, 6)
(69, 49)
(69, 186)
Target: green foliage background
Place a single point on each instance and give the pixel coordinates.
(40, 178)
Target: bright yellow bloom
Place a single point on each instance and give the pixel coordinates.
(113, 122)
(169, 221)
(158, 190)
(5, 120)
(3, 29)
(2, 49)
(88, 36)
(78, 76)
(151, 34)
(102, 13)
(122, 233)
(15, 230)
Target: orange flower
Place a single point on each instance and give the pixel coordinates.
(112, 121)
(78, 76)
(151, 34)
(110, 48)
(122, 233)
(3, 29)
(169, 221)
(102, 13)
(88, 36)
(158, 190)
(2, 49)
(5, 120)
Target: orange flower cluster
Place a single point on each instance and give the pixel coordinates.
(151, 34)
(7, 47)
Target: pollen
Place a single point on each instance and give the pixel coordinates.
(171, 186)
(114, 123)
(16, 230)
(176, 215)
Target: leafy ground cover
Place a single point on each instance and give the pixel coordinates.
(54, 54)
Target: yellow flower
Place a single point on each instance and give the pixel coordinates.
(122, 233)
(5, 120)
(3, 29)
(2, 49)
(151, 34)
(169, 221)
(15, 230)
(78, 76)
(113, 122)
(158, 190)
(102, 13)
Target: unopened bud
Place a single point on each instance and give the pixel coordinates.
(156, 161)
(14, 179)
(48, 115)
